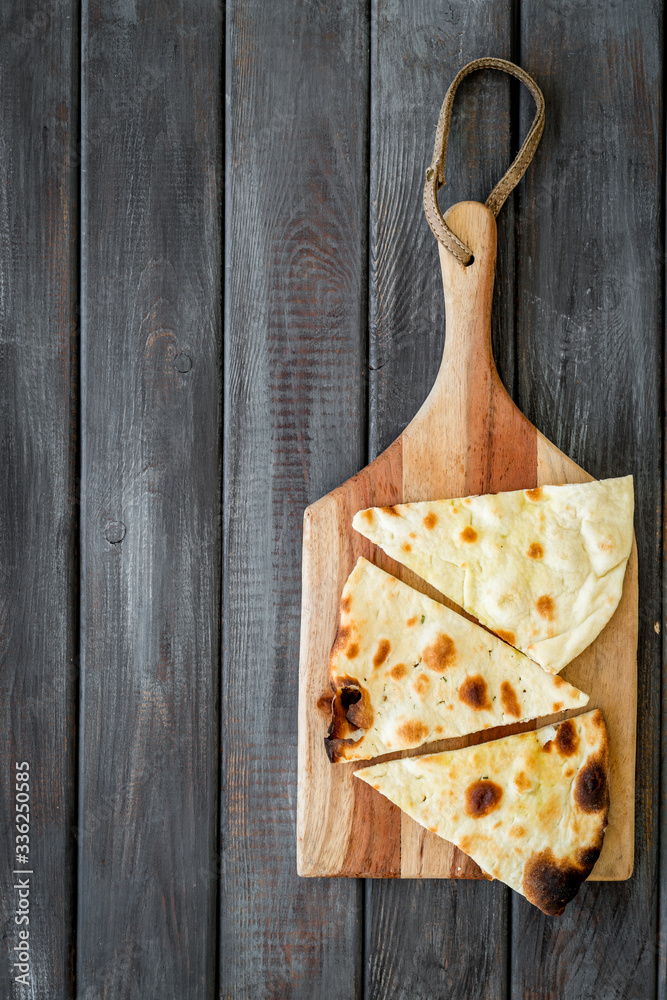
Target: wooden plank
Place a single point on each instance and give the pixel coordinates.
(150, 512)
(37, 310)
(417, 49)
(38, 675)
(589, 329)
(295, 329)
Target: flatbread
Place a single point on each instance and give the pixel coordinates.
(542, 568)
(405, 670)
(531, 809)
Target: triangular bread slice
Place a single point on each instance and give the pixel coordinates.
(531, 809)
(543, 568)
(405, 670)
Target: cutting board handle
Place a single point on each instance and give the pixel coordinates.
(468, 369)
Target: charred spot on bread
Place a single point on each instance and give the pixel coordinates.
(342, 635)
(335, 748)
(391, 511)
(368, 515)
(474, 692)
(522, 782)
(482, 797)
(591, 790)
(509, 700)
(351, 710)
(430, 521)
(360, 712)
(469, 535)
(412, 731)
(422, 684)
(346, 693)
(550, 883)
(352, 651)
(567, 738)
(349, 696)
(441, 653)
(506, 636)
(345, 603)
(398, 671)
(406, 547)
(351, 704)
(535, 550)
(587, 856)
(549, 814)
(469, 843)
(535, 495)
(545, 607)
(382, 652)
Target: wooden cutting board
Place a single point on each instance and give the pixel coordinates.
(468, 437)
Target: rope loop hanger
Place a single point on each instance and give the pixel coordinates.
(435, 175)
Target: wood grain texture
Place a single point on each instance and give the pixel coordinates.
(295, 330)
(357, 833)
(417, 931)
(38, 115)
(589, 259)
(150, 562)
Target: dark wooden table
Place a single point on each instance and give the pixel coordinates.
(219, 298)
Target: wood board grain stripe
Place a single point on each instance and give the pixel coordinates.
(590, 336)
(150, 567)
(38, 487)
(295, 329)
